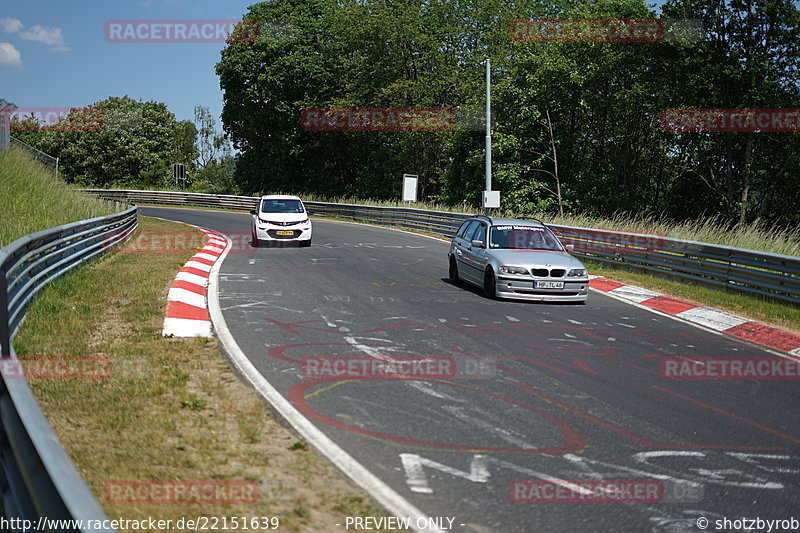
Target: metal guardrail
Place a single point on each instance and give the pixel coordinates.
(37, 477)
(45, 159)
(736, 269)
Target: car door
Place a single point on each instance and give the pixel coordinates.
(475, 257)
(460, 243)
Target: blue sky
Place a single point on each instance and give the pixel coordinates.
(53, 53)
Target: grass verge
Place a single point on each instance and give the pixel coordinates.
(759, 309)
(33, 200)
(171, 409)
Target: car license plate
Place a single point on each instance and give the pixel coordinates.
(549, 284)
(285, 232)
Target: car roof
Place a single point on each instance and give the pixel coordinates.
(509, 221)
(280, 197)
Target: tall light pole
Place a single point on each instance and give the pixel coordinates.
(488, 128)
(490, 198)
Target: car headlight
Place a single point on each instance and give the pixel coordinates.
(514, 270)
(577, 273)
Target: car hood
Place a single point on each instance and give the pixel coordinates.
(283, 217)
(534, 258)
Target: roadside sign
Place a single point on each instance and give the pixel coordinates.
(410, 187)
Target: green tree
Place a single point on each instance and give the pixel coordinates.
(135, 146)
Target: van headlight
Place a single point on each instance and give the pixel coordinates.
(514, 270)
(577, 273)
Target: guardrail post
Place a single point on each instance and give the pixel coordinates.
(5, 333)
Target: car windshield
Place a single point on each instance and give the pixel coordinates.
(524, 238)
(282, 206)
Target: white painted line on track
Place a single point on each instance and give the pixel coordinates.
(383, 493)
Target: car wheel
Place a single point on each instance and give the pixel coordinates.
(489, 284)
(305, 244)
(453, 272)
(256, 243)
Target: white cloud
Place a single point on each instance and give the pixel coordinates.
(10, 25)
(9, 56)
(51, 36)
(37, 33)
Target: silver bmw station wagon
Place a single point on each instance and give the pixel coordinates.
(520, 259)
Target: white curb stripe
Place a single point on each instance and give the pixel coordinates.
(634, 293)
(183, 327)
(192, 278)
(712, 318)
(199, 266)
(176, 294)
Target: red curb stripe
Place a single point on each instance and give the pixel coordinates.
(671, 306)
(195, 271)
(203, 260)
(211, 251)
(604, 284)
(189, 286)
(182, 310)
(766, 335)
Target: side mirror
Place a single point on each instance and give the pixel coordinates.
(477, 244)
(570, 248)
(252, 211)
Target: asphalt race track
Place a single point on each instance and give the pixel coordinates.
(514, 409)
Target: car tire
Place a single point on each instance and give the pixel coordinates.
(489, 284)
(305, 244)
(453, 272)
(256, 243)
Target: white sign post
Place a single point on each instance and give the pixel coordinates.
(491, 199)
(410, 187)
(6, 108)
